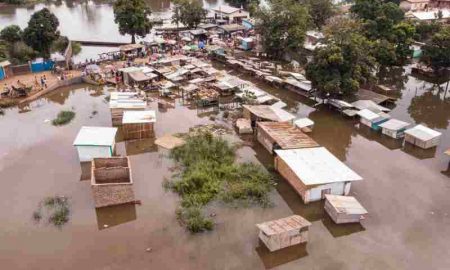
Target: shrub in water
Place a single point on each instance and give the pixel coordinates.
(63, 118)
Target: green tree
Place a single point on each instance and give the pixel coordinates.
(320, 11)
(341, 66)
(41, 31)
(188, 12)
(437, 52)
(403, 38)
(384, 52)
(282, 26)
(132, 16)
(11, 33)
(425, 30)
(20, 53)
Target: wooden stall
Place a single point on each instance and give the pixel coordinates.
(314, 172)
(259, 113)
(394, 128)
(344, 209)
(138, 125)
(284, 232)
(117, 108)
(282, 135)
(371, 119)
(111, 181)
(422, 136)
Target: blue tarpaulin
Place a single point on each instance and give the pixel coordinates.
(40, 65)
(2, 73)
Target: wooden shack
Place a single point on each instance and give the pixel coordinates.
(371, 119)
(117, 108)
(394, 128)
(111, 181)
(95, 142)
(314, 172)
(138, 125)
(282, 135)
(284, 232)
(422, 136)
(344, 209)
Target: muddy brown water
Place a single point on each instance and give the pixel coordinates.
(405, 191)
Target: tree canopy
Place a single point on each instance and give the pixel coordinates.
(11, 33)
(132, 16)
(41, 31)
(437, 52)
(283, 26)
(320, 11)
(342, 65)
(383, 22)
(188, 12)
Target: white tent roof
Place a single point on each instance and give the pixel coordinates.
(95, 136)
(316, 166)
(138, 117)
(303, 122)
(394, 124)
(423, 133)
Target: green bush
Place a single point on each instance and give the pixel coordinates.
(194, 219)
(209, 173)
(63, 118)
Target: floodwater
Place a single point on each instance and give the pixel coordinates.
(87, 20)
(405, 191)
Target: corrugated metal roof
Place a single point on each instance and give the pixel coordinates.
(423, 133)
(138, 117)
(368, 114)
(127, 104)
(346, 204)
(394, 124)
(287, 136)
(282, 225)
(95, 136)
(316, 165)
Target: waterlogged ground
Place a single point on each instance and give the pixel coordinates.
(405, 192)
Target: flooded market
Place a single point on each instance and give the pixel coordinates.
(404, 188)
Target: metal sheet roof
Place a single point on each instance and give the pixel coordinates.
(270, 113)
(423, 133)
(303, 122)
(138, 117)
(368, 114)
(282, 225)
(286, 135)
(95, 136)
(346, 204)
(316, 166)
(394, 124)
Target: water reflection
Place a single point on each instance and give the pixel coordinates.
(431, 109)
(393, 77)
(137, 147)
(86, 168)
(110, 216)
(382, 139)
(334, 131)
(282, 256)
(338, 230)
(418, 152)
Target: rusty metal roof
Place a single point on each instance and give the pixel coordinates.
(287, 136)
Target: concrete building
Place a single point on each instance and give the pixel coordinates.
(230, 14)
(394, 128)
(422, 136)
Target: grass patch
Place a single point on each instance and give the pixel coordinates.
(63, 117)
(209, 172)
(56, 210)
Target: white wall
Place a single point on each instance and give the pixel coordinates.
(87, 153)
(315, 194)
